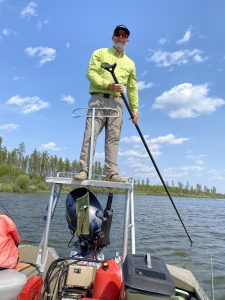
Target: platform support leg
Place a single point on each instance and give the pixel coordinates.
(43, 246)
(126, 225)
(132, 223)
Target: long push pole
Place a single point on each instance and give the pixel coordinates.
(111, 68)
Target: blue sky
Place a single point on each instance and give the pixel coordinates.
(179, 51)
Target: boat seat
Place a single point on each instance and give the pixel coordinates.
(11, 283)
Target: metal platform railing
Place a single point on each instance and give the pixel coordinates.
(93, 115)
(66, 178)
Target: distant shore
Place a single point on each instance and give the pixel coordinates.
(20, 173)
(26, 186)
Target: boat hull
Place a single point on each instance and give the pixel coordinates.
(183, 279)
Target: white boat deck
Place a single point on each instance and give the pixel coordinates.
(90, 182)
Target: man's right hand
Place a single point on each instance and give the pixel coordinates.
(116, 87)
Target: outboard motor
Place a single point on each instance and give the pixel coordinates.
(87, 219)
(106, 222)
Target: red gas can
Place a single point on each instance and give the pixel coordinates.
(108, 281)
(32, 289)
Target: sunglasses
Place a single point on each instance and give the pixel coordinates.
(119, 34)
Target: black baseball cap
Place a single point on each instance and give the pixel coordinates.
(122, 27)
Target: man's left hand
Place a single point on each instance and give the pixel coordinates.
(135, 118)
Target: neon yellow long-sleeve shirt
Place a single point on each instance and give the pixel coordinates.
(125, 72)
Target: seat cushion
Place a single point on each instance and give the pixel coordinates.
(11, 283)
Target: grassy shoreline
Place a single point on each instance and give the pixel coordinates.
(23, 186)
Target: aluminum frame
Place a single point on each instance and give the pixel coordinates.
(56, 186)
(67, 179)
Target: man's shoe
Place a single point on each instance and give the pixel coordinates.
(116, 178)
(81, 176)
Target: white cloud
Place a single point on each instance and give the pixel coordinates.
(68, 99)
(140, 168)
(50, 146)
(9, 126)
(129, 154)
(133, 153)
(155, 145)
(187, 101)
(168, 139)
(144, 73)
(6, 32)
(28, 104)
(216, 175)
(186, 37)
(179, 172)
(99, 154)
(131, 139)
(139, 151)
(41, 24)
(198, 159)
(142, 85)
(181, 57)
(163, 41)
(29, 10)
(143, 169)
(17, 78)
(219, 178)
(46, 54)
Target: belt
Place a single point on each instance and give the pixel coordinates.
(105, 95)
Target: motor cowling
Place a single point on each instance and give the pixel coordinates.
(93, 210)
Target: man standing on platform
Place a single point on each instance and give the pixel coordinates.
(106, 94)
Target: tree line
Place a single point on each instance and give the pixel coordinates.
(188, 188)
(19, 169)
(39, 163)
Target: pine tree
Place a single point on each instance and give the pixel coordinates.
(21, 151)
(34, 162)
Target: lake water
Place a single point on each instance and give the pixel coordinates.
(158, 230)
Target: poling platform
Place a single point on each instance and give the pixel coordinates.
(64, 178)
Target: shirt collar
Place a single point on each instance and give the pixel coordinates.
(116, 53)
